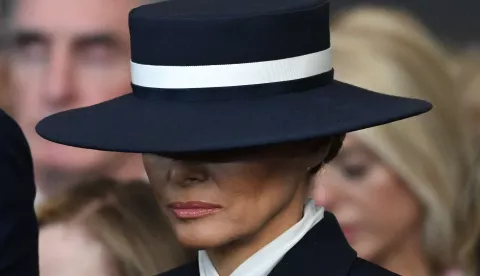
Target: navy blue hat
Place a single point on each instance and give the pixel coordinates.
(225, 74)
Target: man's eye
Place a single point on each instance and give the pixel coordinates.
(33, 51)
(97, 55)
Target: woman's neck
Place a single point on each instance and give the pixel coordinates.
(228, 258)
(407, 259)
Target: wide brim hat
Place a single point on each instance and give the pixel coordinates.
(212, 75)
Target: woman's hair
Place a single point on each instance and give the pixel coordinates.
(125, 218)
(398, 23)
(468, 79)
(389, 52)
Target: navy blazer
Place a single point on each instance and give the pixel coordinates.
(322, 251)
(18, 224)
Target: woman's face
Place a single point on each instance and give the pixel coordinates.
(218, 198)
(69, 250)
(375, 209)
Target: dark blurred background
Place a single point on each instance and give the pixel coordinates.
(457, 22)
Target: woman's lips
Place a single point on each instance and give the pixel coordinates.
(193, 209)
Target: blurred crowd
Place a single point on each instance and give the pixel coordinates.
(407, 194)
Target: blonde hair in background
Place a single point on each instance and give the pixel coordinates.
(374, 20)
(388, 51)
(468, 78)
(125, 218)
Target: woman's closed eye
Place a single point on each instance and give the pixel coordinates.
(354, 171)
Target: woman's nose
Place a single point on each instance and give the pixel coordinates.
(326, 192)
(185, 173)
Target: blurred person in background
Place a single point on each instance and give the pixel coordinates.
(469, 81)
(106, 228)
(4, 99)
(404, 193)
(69, 54)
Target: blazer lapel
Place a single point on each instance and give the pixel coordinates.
(322, 251)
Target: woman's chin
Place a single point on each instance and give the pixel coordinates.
(366, 250)
(199, 242)
(201, 237)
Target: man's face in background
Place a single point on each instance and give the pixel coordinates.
(68, 54)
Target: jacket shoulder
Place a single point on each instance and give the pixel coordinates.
(362, 267)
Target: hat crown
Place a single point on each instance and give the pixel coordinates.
(216, 32)
(209, 9)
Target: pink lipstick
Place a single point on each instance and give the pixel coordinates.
(193, 209)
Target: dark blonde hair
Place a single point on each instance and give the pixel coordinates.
(468, 79)
(125, 218)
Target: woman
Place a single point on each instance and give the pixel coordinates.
(234, 128)
(403, 193)
(106, 228)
